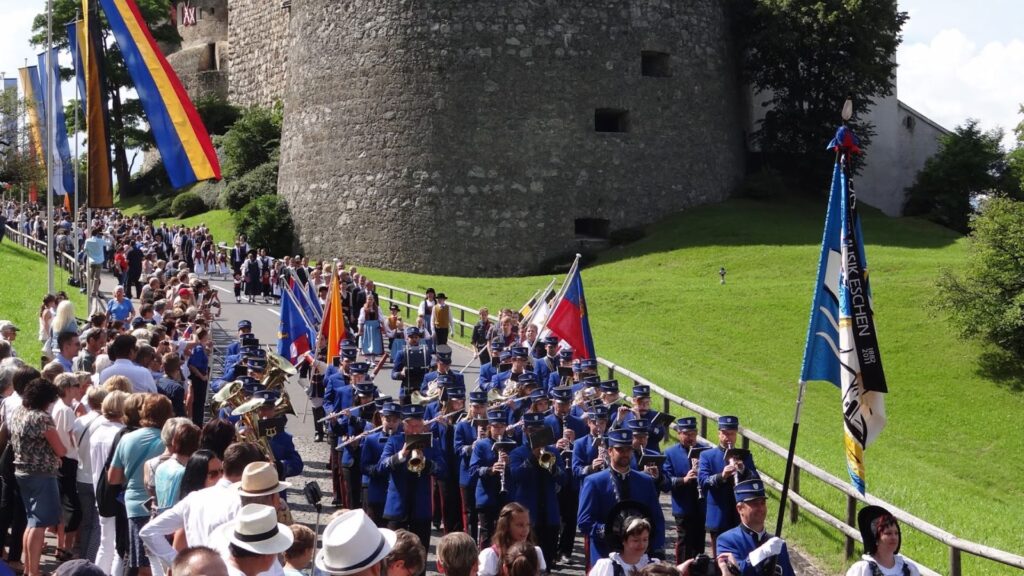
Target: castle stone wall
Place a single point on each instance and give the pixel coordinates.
(459, 137)
(258, 33)
(201, 61)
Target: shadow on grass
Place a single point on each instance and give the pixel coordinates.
(1002, 368)
(782, 222)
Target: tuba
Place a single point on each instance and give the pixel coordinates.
(232, 395)
(279, 370)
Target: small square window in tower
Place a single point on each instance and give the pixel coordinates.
(655, 64)
(592, 228)
(611, 120)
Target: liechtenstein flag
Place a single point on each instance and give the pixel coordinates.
(294, 337)
(569, 319)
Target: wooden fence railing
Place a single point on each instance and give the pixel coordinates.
(802, 469)
(63, 259)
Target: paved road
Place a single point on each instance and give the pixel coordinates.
(265, 320)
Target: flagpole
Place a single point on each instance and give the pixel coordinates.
(50, 130)
(789, 459)
(540, 298)
(74, 219)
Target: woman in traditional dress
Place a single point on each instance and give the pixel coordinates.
(371, 341)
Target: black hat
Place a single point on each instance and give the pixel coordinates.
(866, 522)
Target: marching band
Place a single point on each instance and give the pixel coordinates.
(540, 429)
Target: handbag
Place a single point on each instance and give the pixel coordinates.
(108, 495)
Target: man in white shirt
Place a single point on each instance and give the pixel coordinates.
(122, 351)
(88, 543)
(203, 511)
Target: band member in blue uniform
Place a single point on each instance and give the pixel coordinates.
(639, 428)
(244, 327)
(337, 385)
(408, 503)
(435, 407)
(567, 428)
(642, 409)
(375, 481)
(467, 432)
(537, 475)
(681, 463)
(487, 465)
(547, 362)
(519, 357)
(717, 475)
(534, 399)
(586, 391)
(282, 445)
(555, 378)
(250, 386)
(443, 366)
(489, 369)
(359, 420)
(237, 366)
(447, 486)
(748, 547)
(589, 453)
(411, 364)
(602, 490)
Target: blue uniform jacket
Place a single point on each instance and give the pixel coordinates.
(465, 436)
(741, 542)
(543, 369)
(597, 497)
(337, 393)
(408, 493)
(488, 485)
(233, 349)
(445, 437)
(487, 372)
(684, 496)
(721, 501)
(584, 451)
(460, 380)
(347, 428)
(579, 427)
(399, 362)
(283, 447)
(534, 487)
(375, 480)
(655, 435)
(499, 380)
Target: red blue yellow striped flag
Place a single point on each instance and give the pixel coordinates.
(184, 144)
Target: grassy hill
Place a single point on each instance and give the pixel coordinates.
(951, 452)
(22, 287)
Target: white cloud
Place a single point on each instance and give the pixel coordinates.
(951, 78)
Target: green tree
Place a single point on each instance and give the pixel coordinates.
(252, 140)
(127, 129)
(808, 56)
(969, 164)
(987, 301)
(267, 223)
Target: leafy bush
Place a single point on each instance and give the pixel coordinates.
(261, 181)
(152, 182)
(162, 209)
(217, 114)
(267, 223)
(188, 204)
(210, 192)
(251, 141)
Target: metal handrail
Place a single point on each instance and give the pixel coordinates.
(851, 534)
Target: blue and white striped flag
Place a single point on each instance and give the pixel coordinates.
(842, 344)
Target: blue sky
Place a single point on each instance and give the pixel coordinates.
(958, 60)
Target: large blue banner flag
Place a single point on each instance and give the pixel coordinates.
(62, 171)
(295, 337)
(842, 344)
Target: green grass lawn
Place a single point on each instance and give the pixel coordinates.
(22, 287)
(952, 450)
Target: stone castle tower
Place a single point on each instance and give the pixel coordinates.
(486, 137)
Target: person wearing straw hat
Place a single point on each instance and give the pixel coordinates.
(354, 546)
(254, 540)
(749, 547)
(882, 539)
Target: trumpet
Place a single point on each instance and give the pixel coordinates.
(547, 460)
(738, 464)
(417, 461)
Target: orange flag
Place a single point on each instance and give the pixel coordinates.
(333, 327)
